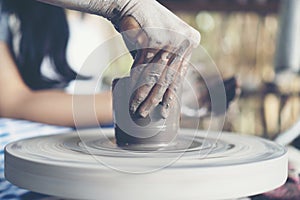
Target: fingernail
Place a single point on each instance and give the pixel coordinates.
(144, 113)
(164, 112)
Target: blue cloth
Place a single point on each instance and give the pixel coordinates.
(12, 130)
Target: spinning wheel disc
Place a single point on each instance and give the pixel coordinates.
(198, 166)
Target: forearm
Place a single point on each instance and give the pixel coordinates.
(48, 106)
(105, 8)
(56, 107)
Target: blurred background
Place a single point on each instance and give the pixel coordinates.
(255, 40)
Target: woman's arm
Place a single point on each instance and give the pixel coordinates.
(47, 106)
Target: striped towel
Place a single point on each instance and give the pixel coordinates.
(12, 130)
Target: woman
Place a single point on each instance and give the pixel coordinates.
(40, 39)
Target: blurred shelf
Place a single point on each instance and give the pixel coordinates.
(258, 6)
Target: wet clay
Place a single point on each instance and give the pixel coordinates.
(135, 132)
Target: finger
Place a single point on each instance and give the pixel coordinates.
(170, 95)
(168, 101)
(134, 38)
(147, 79)
(137, 67)
(185, 62)
(157, 92)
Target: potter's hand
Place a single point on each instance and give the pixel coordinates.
(164, 40)
(161, 61)
(163, 44)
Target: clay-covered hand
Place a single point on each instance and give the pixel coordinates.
(161, 60)
(163, 42)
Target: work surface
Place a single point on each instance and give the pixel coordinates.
(87, 164)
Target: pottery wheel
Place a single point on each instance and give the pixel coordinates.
(199, 165)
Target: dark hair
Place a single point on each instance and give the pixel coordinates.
(44, 31)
